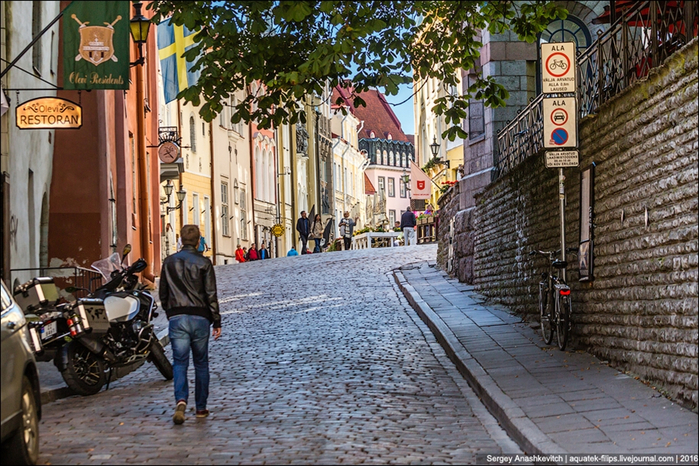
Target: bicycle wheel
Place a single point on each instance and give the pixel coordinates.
(545, 314)
(563, 321)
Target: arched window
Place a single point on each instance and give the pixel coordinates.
(192, 134)
(392, 158)
(378, 156)
(385, 158)
(372, 134)
(402, 160)
(570, 29)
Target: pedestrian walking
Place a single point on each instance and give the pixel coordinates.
(202, 247)
(263, 253)
(303, 226)
(240, 254)
(408, 224)
(317, 232)
(252, 253)
(188, 296)
(346, 229)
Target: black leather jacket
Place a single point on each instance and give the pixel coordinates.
(188, 286)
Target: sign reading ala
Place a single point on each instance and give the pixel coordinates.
(558, 67)
(560, 123)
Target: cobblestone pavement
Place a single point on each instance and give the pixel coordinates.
(321, 361)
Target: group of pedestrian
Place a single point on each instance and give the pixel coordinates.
(246, 255)
(189, 297)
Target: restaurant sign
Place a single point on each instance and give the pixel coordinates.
(49, 113)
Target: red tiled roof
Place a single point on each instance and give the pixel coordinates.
(368, 187)
(377, 115)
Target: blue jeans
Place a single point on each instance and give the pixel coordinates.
(187, 332)
(317, 248)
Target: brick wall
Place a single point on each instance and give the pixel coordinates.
(640, 312)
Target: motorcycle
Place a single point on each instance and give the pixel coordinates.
(108, 331)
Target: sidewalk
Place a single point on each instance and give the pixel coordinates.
(52, 385)
(548, 400)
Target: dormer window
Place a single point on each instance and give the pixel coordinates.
(389, 136)
(372, 134)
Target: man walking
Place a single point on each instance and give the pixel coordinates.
(408, 224)
(346, 229)
(188, 296)
(303, 226)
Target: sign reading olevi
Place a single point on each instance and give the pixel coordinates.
(49, 113)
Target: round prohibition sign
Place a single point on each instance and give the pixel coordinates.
(559, 116)
(559, 136)
(558, 64)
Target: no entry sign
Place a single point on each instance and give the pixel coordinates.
(560, 123)
(558, 67)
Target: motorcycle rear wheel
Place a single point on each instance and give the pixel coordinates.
(162, 363)
(84, 372)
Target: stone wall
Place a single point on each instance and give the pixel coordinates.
(640, 312)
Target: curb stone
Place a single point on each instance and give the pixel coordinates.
(527, 435)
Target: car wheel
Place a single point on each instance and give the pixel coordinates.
(23, 446)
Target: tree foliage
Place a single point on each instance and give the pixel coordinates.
(296, 48)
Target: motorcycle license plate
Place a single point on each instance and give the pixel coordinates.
(48, 331)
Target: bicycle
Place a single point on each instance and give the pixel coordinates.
(555, 306)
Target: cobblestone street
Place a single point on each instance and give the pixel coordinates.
(321, 361)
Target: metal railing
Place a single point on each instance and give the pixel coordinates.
(640, 40)
(63, 277)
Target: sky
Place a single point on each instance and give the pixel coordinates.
(404, 112)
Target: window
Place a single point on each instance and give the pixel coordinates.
(403, 192)
(36, 29)
(196, 215)
(570, 29)
(372, 134)
(476, 114)
(192, 135)
(378, 156)
(402, 160)
(391, 187)
(391, 218)
(225, 230)
(243, 217)
(382, 185)
(385, 158)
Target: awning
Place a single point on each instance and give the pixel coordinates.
(368, 187)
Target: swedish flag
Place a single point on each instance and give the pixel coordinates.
(173, 41)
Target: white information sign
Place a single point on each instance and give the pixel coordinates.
(560, 123)
(562, 158)
(558, 67)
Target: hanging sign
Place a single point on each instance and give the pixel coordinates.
(49, 113)
(278, 230)
(560, 123)
(558, 67)
(96, 45)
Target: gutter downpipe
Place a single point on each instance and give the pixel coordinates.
(144, 223)
(212, 209)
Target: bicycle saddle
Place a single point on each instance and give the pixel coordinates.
(559, 264)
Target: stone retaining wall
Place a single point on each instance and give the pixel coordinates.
(640, 312)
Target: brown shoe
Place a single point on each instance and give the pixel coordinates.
(178, 417)
(202, 412)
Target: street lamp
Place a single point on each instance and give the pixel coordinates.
(140, 26)
(405, 178)
(168, 192)
(434, 147)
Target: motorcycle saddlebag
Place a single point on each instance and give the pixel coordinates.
(94, 312)
(36, 293)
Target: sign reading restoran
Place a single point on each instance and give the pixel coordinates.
(558, 67)
(49, 113)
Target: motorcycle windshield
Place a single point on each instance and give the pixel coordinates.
(107, 265)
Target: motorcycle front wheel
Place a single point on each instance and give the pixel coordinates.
(84, 372)
(157, 357)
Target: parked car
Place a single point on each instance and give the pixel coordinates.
(21, 396)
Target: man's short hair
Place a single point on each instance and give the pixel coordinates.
(190, 235)
(409, 209)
